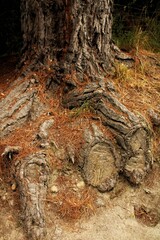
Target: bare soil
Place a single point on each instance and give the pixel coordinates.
(113, 218)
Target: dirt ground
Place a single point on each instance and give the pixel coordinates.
(115, 217)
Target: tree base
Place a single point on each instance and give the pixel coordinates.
(115, 141)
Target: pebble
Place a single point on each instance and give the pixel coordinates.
(148, 191)
(81, 184)
(4, 198)
(44, 145)
(54, 189)
(14, 186)
(33, 80)
(11, 203)
(100, 202)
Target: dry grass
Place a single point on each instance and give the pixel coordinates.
(140, 86)
(71, 205)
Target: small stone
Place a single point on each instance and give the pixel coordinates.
(54, 189)
(44, 145)
(4, 198)
(14, 186)
(81, 184)
(11, 203)
(75, 189)
(147, 191)
(58, 231)
(33, 80)
(100, 202)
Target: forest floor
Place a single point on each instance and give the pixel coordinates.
(74, 210)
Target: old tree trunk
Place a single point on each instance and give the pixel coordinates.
(67, 54)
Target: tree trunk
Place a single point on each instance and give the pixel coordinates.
(70, 42)
(76, 34)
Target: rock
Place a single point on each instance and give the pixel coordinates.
(54, 189)
(147, 191)
(100, 202)
(11, 203)
(4, 198)
(81, 184)
(44, 145)
(33, 81)
(14, 186)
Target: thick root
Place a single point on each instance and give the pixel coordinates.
(31, 174)
(131, 132)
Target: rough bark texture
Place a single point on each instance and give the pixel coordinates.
(99, 160)
(32, 174)
(76, 33)
(20, 105)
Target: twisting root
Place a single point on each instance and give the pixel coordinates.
(32, 173)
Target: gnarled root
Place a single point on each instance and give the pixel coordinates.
(131, 132)
(31, 174)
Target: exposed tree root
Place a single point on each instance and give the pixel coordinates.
(132, 134)
(19, 105)
(101, 158)
(32, 174)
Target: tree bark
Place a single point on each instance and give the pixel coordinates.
(76, 34)
(32, 175)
